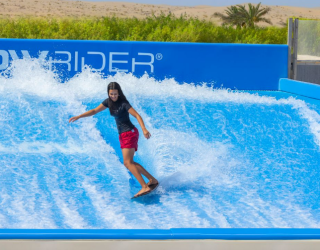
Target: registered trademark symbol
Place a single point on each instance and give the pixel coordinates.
(159, 56)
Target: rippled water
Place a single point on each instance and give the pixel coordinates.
(224, 158)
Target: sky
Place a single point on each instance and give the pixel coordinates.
(299, 3)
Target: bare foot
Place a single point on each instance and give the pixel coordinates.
(152, 181)
(143, 190)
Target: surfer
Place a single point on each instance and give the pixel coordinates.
(120, 109)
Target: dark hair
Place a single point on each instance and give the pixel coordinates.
(121, 98)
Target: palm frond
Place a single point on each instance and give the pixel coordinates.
(240, 16)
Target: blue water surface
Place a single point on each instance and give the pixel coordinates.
(221, 163)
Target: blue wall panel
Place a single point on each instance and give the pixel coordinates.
(235, 66)
(307, 89)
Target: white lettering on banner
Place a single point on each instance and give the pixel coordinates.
(5, 59)
(114, 60)
(43, 55)
(95, 53)
(76, 61)
(60, 61)
(134, 63)
(25, 53)
(14, 55)
(111, 61)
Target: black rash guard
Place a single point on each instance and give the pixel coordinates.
(121, 115)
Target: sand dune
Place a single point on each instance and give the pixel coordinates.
(70, 8)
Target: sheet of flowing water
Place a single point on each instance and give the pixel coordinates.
(224, 158)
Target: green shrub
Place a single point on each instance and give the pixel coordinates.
(167, 28)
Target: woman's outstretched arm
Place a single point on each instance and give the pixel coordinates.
(138, 117)
(88, 113)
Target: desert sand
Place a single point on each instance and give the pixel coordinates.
(76, 9)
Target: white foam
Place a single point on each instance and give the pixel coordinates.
(108, 211)
(192, 159)
(23, 206)
(69, 210)
(29, 77)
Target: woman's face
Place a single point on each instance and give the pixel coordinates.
(113, 94)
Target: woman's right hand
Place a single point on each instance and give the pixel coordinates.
(72, 119)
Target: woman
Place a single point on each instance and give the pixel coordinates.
(120, 109)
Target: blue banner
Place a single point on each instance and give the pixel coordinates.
(235, 66)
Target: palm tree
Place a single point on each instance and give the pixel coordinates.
(254, 14)
(240, 17)
(233, 17)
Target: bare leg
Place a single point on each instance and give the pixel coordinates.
(128, 154)
(141, 169)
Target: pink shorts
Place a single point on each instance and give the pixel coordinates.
(129, 139)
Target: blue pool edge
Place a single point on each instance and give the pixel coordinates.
(165, 234)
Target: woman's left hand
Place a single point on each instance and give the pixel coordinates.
(146, 134)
